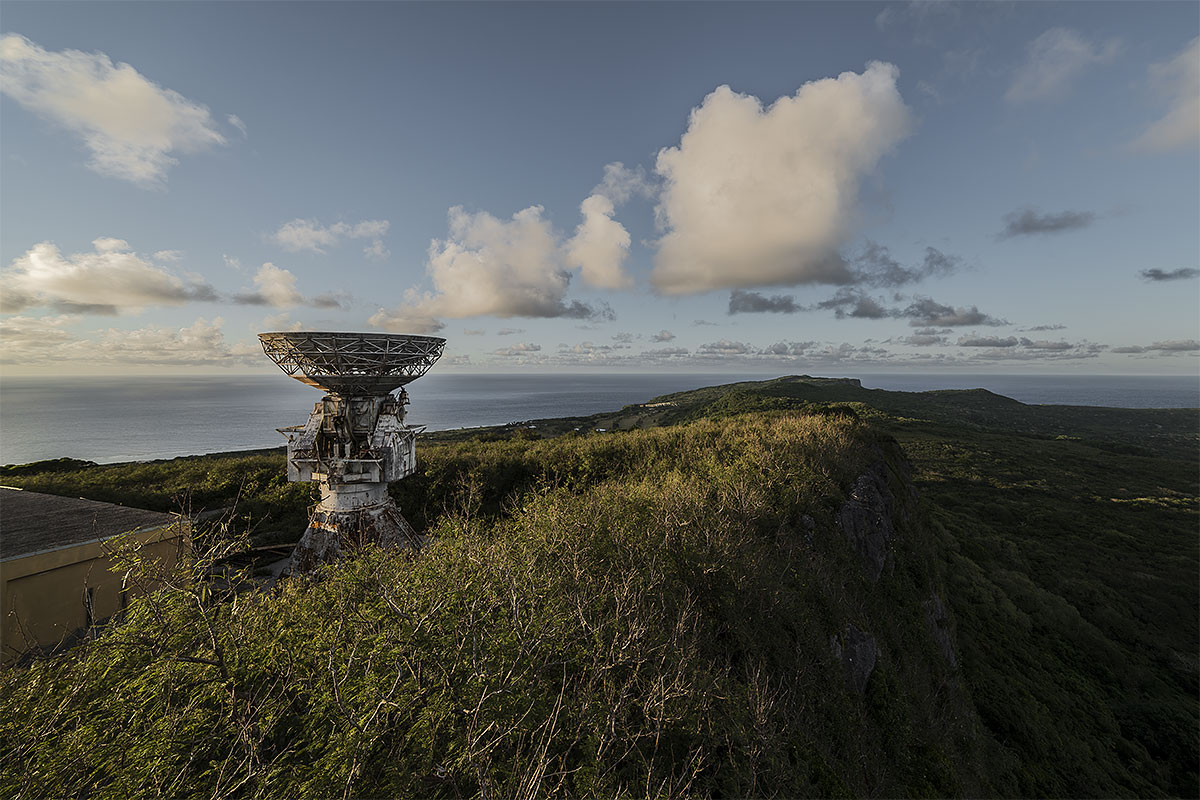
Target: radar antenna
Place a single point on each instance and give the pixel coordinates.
(355, 441)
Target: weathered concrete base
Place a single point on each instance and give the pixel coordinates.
(332, 534)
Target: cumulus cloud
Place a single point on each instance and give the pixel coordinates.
(518, 349)
(855, 303)
(110, 280)
(927, 312)
(376, 251)
(1043, 344)
(988, 341)
(600, 245)
(281, 322)
(1054, 61)
(662, 336)
(406, 319)
(1176, 346)
(621, 183)
(202, 342)
(1030, 221)
(1179, 81)
(919, 339)
(756, 196)
(276, 287)
(666, 352)
(1039, 328)
(923, 312)
(743, 302)
(787, 348)
(725, 348)
(1170, 347)
(1040, 351)
(309, 234)
(130, 125)
(329, 300)
(586, 349)
(32, 340)
(1154, 275)
(876, 267)
(509, 331)
(490, 266)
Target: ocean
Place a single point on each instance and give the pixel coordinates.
(150, 417)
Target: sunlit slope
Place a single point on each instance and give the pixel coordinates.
(693, 610)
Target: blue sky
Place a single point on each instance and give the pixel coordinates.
(820, 188)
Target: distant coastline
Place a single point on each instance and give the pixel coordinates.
(148, 418)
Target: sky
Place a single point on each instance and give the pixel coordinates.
(781, 187)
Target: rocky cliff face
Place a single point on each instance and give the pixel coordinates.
(892, 631)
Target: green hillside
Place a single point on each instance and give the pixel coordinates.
(795, 587)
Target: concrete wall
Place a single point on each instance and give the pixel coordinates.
(49, 597)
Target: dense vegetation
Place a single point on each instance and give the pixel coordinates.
(252, 485)
(656, 612)
(647, 614)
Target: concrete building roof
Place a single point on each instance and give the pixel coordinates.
(31, 522)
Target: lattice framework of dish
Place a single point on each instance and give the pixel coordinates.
(352, 364)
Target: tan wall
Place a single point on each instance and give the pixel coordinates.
(44, 596)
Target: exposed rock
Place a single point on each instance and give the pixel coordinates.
(866, 519)
(858, 653)
(940, 628)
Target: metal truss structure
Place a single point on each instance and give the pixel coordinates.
(352, 364)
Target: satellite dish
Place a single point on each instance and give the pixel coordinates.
(352, 364)
(355, 441)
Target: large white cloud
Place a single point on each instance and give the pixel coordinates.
(522, 267)
(1054, 61)
(130, 125)
(1179, 80)
(490, 266)
(758, 196)
(110, 280)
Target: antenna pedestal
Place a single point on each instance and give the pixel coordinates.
(353, 447)
(346, 521)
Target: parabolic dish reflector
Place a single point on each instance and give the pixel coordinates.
(352, 364)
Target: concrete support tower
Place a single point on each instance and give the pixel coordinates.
(355, 441)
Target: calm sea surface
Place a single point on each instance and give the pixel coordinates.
(142, 418)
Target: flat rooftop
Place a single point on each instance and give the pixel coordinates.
(31, 522)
